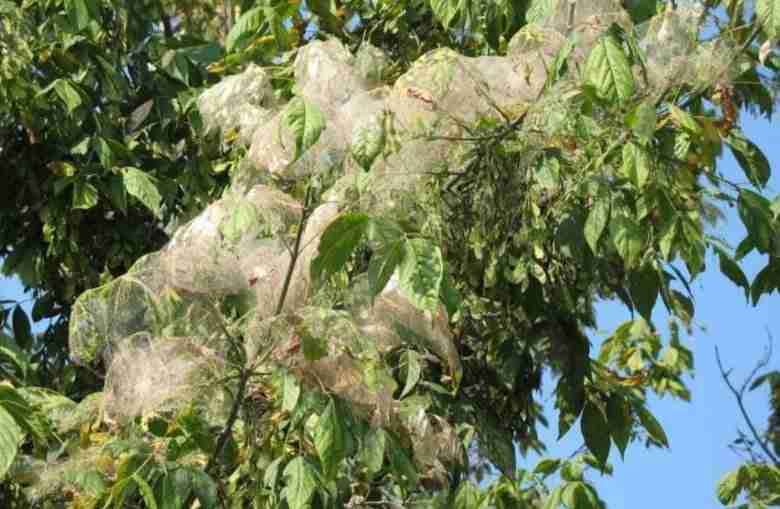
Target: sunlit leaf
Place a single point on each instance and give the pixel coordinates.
(305, 121)
(337, 243)
(329, 440)
(608, 71)
(140, 185)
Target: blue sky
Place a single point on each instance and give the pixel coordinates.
(699, 432)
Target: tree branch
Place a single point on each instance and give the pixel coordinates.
(246, 371)
(739, 395)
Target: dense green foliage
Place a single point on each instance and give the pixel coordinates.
(606, 186)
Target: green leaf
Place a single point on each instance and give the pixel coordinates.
(413, 371)
(337, 243)
(445, 11)
(468, 496)
(636, 165)
(608, 71)
(644, 285)
(575, 496)
(553, 501)
(400, 463)
(10, 352)
(495, 442)
(291, 391)
(596, 222)
(302, 483)
(78, 13)
(731, 270)
(15, 404)
(85, 195)
(372, 454)
(756, 214)
(595, 430)
(22, 328)
(421, 275)
(768, 14)
(538, 10)
(173, 489)
(11, 436)
(242, 219)
(627, 237)
(547, 466)
(753, 162)
(729, 487)
(641, 10)
(572, 470)
(146, 492)
(653, 427)
(69, 94)
(368, 141)
(383, 263)
(140, 185)
(330, 440)
(246, 25)
(684, 119)
(314, 347)
(305, 121)
(619, 420)
(277, 25)
(204, 488)
(666, 243)
(642, 120)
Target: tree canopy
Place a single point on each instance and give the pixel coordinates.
(321, 254)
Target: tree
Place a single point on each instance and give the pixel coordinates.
(425, 201)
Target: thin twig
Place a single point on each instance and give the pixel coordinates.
(739, 395)
(247, 371)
